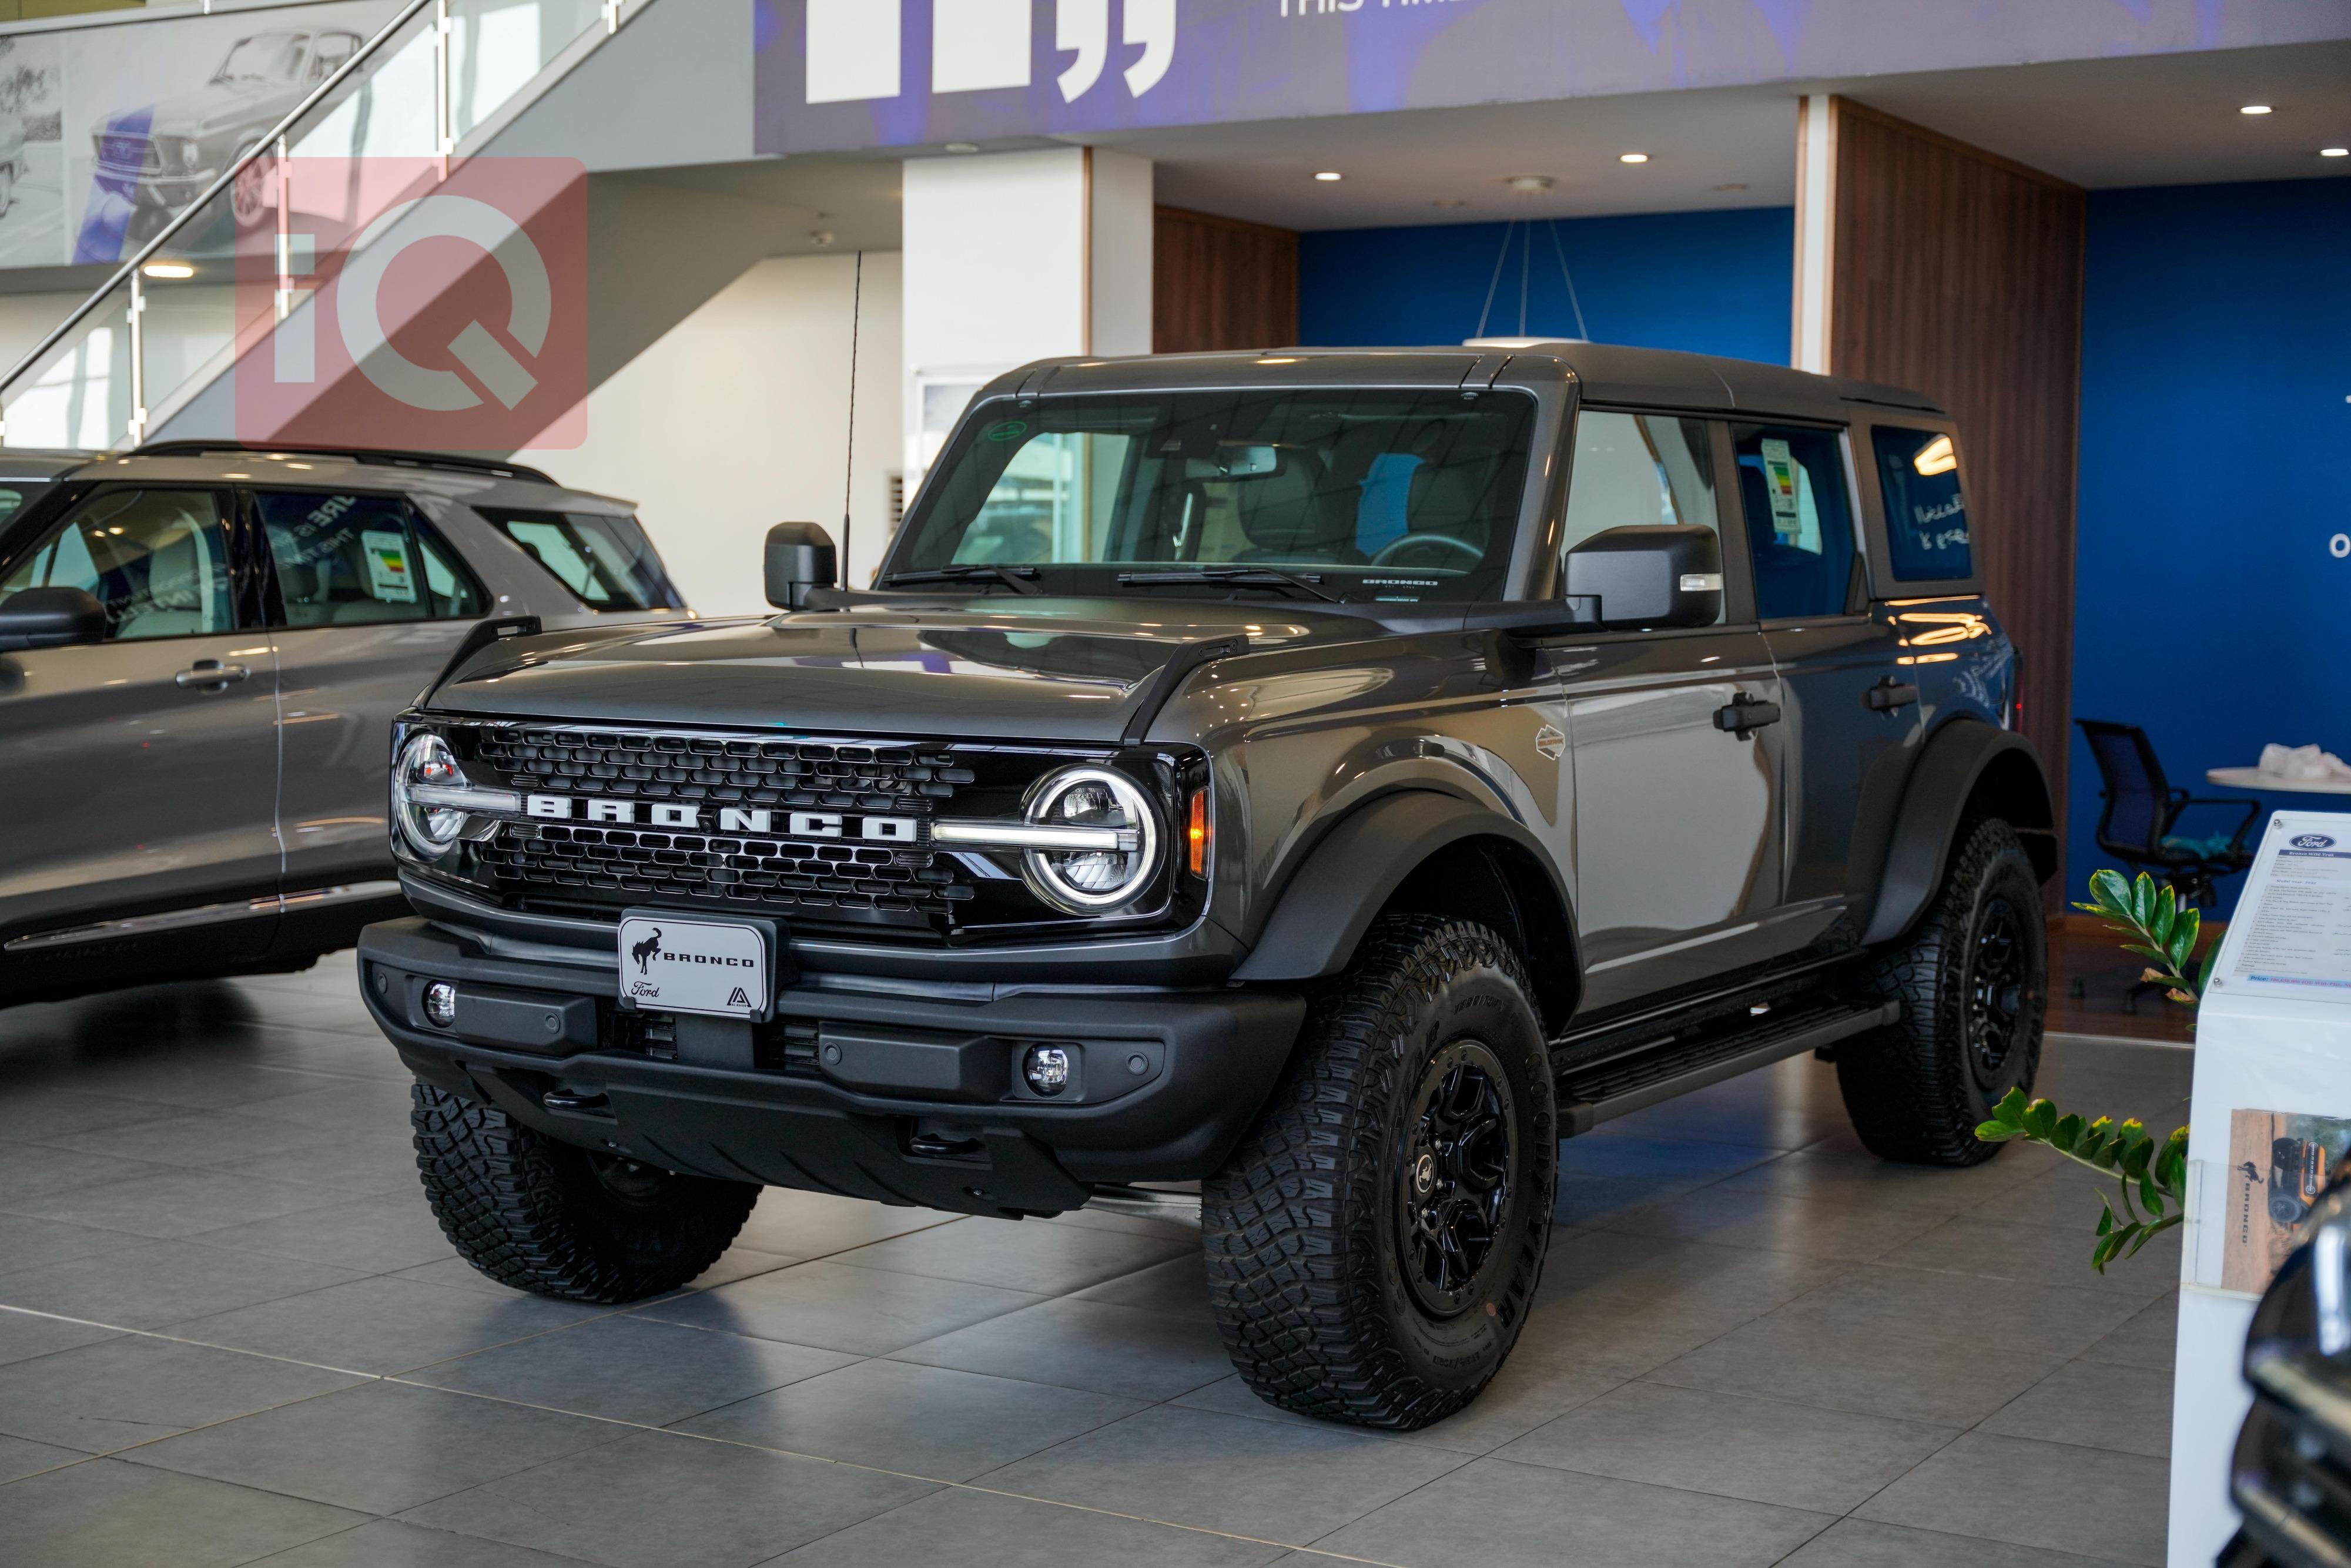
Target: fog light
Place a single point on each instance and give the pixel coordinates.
(441, 1003)
(1047, 1069)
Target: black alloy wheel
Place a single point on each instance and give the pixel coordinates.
(1457, 1173)
(1998, 980)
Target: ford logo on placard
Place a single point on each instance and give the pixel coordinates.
(2312, 842)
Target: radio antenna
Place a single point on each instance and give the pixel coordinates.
(849, 473)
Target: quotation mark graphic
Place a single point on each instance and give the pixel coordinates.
(853, 45)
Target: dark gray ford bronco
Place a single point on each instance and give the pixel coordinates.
(1328, 778)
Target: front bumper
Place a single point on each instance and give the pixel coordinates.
(896, 1092)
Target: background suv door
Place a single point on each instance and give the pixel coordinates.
(370, 602)
(1846, 759)
(1678, 821)
(139, 773)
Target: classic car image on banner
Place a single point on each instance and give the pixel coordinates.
(153, 115)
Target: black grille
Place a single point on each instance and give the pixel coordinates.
(580, 862)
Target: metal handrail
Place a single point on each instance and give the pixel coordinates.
(268, 145)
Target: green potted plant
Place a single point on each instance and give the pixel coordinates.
(2151, 1178)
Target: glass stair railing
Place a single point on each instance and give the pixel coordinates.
(171, 321)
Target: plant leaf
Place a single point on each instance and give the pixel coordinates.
(2068, 1132)
(2111, 893)
(2172, 1165)
(2142, 903)
(2149, 1196)
(2011, 1109)
(2135, 1163)
(2165, 914)
(2041, 1119)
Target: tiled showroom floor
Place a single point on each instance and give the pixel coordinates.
(233, 1334)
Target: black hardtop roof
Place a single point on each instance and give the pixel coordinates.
(1605, 373)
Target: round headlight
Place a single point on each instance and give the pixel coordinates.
(1092, 880)
(430, 831)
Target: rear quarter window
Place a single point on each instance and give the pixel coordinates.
(1927, 532)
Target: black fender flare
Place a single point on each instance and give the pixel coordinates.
(1966, 765)
(1343, 882)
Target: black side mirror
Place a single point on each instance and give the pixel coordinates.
(800, 557)
(50, 618)
(1659, 574)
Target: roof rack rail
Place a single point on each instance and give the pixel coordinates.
(377, 457)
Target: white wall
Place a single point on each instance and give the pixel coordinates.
(737, 418)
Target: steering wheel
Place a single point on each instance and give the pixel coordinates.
(1398, 551)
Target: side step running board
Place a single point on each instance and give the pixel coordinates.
(1600, 1092)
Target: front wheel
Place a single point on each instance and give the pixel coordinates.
(544, 1216)
(1375, 1242)
(1973, 980)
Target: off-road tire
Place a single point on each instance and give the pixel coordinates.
(536, 1214)
(1308, 1227)
(1918, 1089)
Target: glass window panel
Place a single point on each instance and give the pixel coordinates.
(1792, 487)
(605, 560)
(1926, 516)
(1391, 496)
(349, 560)
(1639, 469)
(157, 559)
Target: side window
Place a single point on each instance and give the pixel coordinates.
(605, 560)
(1792, 487)
(158, 561)
(1926, 516)
(347, 560)
(1638, 468)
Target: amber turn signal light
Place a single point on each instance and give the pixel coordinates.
(1196, 833)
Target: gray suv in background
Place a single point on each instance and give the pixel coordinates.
(202, 652)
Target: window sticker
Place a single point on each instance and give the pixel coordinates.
(387, 562)
(1781, 477)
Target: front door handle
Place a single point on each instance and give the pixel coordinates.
(1743, 713)
(210, 674)
(1890, 695)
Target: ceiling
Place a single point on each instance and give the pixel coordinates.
(2144, 120)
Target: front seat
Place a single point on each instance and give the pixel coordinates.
(177, 598)
(1290, 519)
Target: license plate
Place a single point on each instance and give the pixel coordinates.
(681, 965)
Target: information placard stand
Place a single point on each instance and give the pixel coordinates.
(2270, 1121)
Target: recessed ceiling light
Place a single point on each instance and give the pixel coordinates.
(1632, 157)
(1328, 175)
(168, 269)
(963, 146)
(2254, 109)
(1526, 185)
(2335, 152)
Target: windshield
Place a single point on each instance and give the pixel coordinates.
(606, 561)
(264, 57)
(1382, 495)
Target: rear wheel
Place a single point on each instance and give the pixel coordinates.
(1973, 980)
(544, 1216)
(1375, 1242)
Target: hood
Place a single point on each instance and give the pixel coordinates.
(1032, 669)
(201, 111)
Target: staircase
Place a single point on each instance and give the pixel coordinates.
(428, 86)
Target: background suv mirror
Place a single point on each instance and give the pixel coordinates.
(800, 558)
(50, 618)
(1667, 574)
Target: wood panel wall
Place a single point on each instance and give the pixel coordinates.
(1220, 283)
(1960, 273)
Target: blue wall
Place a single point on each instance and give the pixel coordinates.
(1714, 282)
(2216, 466)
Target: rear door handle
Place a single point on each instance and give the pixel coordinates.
(1890, 695)
(211, 674)
(1742, 713)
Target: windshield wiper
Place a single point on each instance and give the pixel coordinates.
(1243, 576)
(1019, 579)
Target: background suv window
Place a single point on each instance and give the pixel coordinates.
(350, 560)
(1639, 469)
(1925, 516)
(606, 561)
(1792, 490)
(158, 561)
